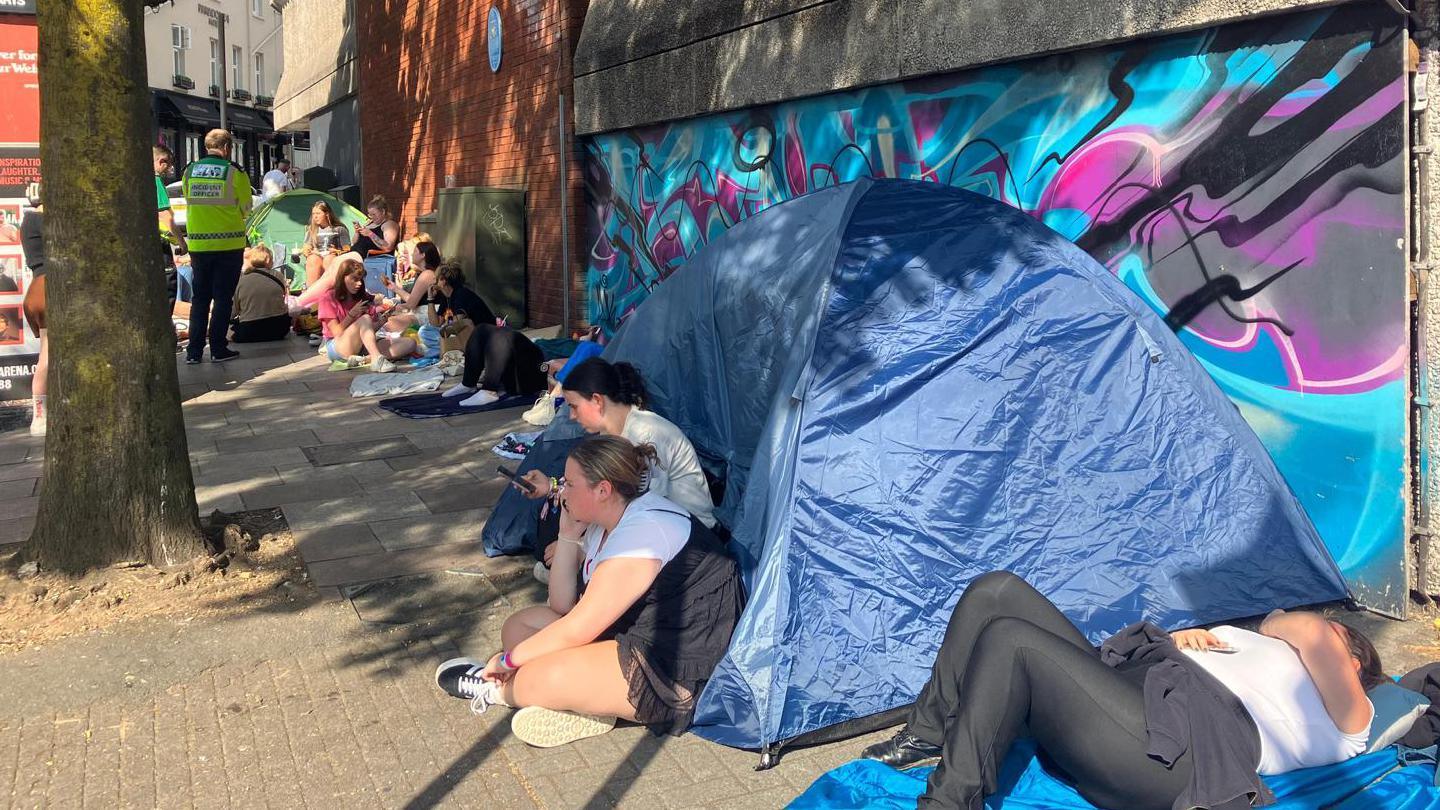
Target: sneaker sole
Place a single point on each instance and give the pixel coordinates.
(547, 728)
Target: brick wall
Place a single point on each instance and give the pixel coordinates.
(431, 107)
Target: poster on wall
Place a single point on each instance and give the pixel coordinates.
(19, 166)
(1270, 151)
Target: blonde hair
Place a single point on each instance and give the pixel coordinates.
(615, 459)
(259, 258)
(218, 140)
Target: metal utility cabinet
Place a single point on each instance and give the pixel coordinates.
(484, 230)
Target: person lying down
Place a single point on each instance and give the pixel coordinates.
(1150, 721)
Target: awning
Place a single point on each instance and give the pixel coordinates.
(203, 113)
(244, 119)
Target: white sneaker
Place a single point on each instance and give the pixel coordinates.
(547, 728)
(542, 574)
(542, 412)
(314, 340)
(381, 365)
(458, 390)
(482, 397)
(355, 361)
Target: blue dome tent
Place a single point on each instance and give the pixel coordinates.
(906, 385)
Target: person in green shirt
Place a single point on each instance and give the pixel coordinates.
(170, 237)
(217, 201)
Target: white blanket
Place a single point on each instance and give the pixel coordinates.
(411, 382)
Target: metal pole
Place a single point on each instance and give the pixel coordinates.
(224, 82)
(564, 204)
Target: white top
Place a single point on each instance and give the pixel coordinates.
(275, 182)
(650, 529)
(1270, 680)
(679, 478)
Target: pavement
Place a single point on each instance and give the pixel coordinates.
(329, 701)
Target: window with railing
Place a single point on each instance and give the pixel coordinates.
(215, 63)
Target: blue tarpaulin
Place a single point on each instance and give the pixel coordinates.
(1026, 786)
(906, 385)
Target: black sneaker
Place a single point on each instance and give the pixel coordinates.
(192, 361)
(222, 355)
(460, 677)
(903, 751)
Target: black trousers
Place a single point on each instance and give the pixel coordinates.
(498, 358)
(1011, 660)
(216, 274)
(275, 327)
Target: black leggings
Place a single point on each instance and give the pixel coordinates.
(1011, 660)
(498, 358)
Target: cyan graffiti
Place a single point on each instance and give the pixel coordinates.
(1270, 151)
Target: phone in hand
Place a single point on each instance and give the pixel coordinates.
(519, 482)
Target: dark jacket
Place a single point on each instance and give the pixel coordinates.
(1426, 681)
(1187, 709)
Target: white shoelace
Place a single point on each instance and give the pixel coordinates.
(480, 691)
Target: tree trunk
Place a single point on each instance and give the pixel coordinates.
(117, 482)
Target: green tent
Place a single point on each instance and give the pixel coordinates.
(283, 219)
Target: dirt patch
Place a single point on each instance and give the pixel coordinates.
(258, 569)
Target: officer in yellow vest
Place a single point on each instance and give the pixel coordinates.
(217, 201)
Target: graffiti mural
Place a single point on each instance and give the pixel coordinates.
(1270, 153)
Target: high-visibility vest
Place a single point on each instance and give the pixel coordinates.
(217, 201)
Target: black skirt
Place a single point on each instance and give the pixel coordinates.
(672, 638)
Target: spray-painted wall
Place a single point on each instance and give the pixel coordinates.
(1269, 150)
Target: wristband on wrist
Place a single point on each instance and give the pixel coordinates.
(506, 662)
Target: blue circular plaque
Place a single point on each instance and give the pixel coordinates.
(492, 36)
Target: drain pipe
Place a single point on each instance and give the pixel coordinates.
(1421, 530)
(563, 148)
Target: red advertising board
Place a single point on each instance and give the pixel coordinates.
(19, 84)
(19, 166)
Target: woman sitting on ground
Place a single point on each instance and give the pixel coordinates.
(260, 311)
(324, 237)
(425, 260)
(609, 399)
(642, 603)
(498, 360)
(381, 234)
(1229, 704)
(347, 315)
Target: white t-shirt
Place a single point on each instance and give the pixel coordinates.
(679, 478)
(275, 182)
(1271, 681)
(652, 528)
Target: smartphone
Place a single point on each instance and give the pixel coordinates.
(519, 482)
(1222, 649)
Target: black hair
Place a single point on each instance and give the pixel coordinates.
(1372, 673)
(431, 255)
(618, 382)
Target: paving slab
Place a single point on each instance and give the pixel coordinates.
(387, 448)
(266, 440)
(429, 530)
(322, 489)
(354, 509)
(336, 542)
(371, 567)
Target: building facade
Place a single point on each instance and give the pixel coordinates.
(189, 69)
(316, 98)
(469, 93)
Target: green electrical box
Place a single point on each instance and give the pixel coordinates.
(484, 230)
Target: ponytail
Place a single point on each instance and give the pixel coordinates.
(618, 382)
